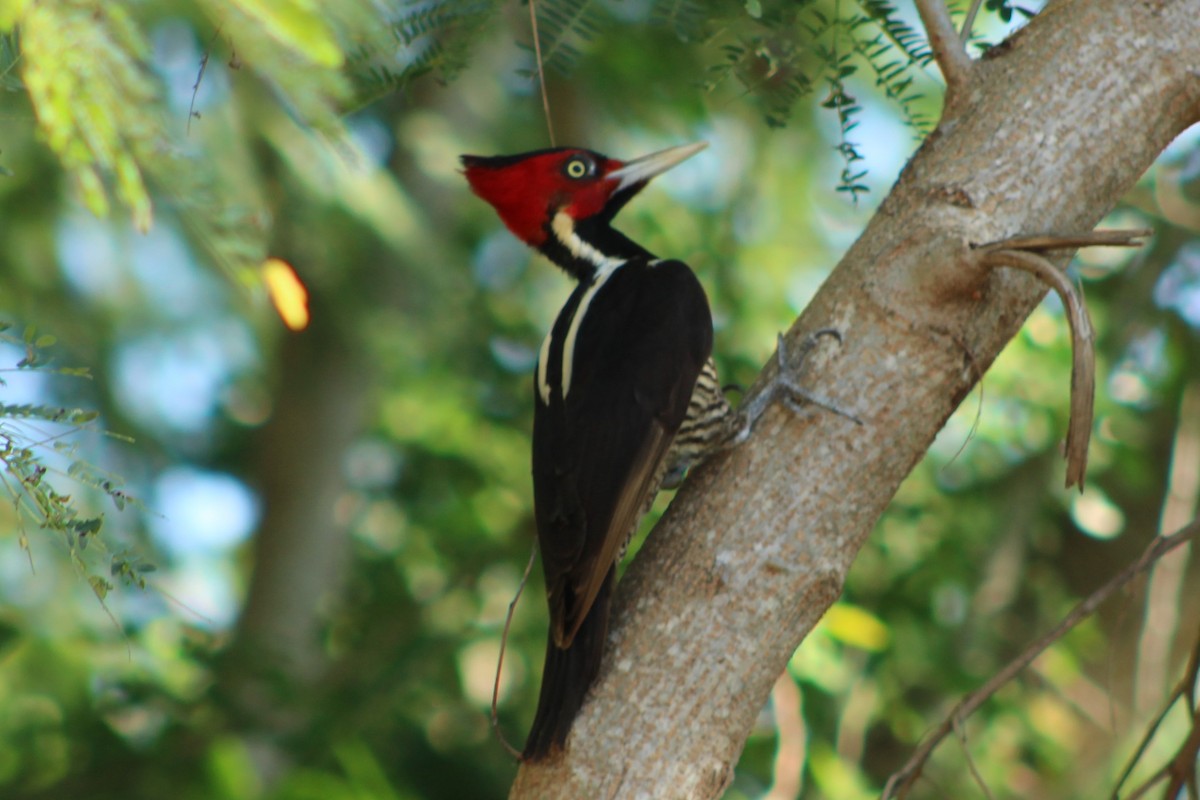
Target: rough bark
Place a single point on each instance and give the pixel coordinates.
(1048, 133)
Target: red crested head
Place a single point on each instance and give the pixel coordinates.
(528, 190)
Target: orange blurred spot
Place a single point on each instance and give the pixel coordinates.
(287, 293)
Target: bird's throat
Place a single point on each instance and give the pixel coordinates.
(587, 248)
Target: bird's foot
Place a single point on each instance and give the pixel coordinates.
(782, 388)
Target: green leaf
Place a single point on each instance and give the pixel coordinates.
(95, 112)
(85, 527)
(100, 586)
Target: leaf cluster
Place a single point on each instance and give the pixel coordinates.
(102, 108)
(25, 453)
(432, 37)
(101, 130)
(781, 54)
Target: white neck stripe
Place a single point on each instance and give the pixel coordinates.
(563, 226)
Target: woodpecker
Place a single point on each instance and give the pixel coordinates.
(626, 395)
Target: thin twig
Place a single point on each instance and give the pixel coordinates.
(947, 48)
(961, 733)
(969, 22)
(1142, 790)
(1191, 674)
(512, 751)
(199, 78)
(1182, 767)
(1140, 750)
(979, 376)
(903, 779)
(1083, 356)
(541, 69)
(1185, 688)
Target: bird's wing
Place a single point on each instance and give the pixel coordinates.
(598, 451)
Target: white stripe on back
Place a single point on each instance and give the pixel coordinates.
(543, 358)
(568, 353)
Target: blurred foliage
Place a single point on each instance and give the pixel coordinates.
(26, 431)
(325, 136)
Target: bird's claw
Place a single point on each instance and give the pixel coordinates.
(791, 393)
(783, 388)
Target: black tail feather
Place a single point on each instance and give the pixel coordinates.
(567, 676)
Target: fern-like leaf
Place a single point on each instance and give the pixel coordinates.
(684, 17)
(842, 103)
(563, 27)
(433, 37)
(910, 41)
(895, 78)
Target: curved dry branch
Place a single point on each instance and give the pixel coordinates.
(1083, 354)
(512, 607)
(1017, 254)
(903, 779)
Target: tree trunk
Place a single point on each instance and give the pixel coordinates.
(1046, 135)
(275, 658)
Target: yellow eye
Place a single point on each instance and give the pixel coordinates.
(576, 168)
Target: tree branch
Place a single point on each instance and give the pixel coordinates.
(1185, 690)
(903, 779)
(947, 47)
(757, 543)
(969, 22)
